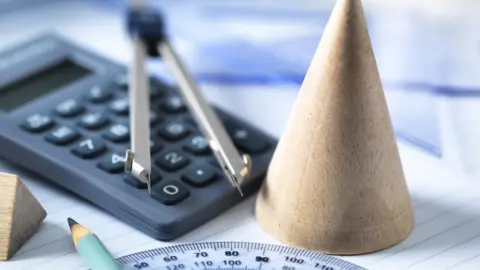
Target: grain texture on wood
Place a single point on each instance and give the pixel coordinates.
(335, 183)
(20, 215)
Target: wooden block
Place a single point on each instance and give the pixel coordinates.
(336, 183)
(20, 215)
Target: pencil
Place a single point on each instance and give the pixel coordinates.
(91, 249)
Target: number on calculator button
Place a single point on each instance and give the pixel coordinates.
(98, 94)
(62, 136)
(173, 130)
(89, 148)
(246, 140)
(173, 104)
(68, 108)
(197, 145)
(199, 176)
(170, 192)
(37, 123)
(117, 133)
(120, 106)
(93, 120)
(172, 161)
(113, 163)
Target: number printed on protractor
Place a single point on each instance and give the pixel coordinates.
(233, 255)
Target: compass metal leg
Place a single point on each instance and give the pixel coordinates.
(138, 160)
(147, 25)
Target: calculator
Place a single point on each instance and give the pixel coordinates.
(64, 114)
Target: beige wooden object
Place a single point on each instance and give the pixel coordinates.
(20, 215)
(335, 183)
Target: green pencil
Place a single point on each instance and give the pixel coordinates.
(91, 248)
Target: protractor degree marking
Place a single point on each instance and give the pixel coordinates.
(246, 259)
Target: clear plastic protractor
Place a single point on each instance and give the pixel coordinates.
(233, 256)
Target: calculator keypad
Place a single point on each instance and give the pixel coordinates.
(99, 94)
(246, 140)
(170, 192)
(155, 177)
(113, 163)
(155, 146)
(37, 123)
(96, 127)
(93, 120)
(120, 106)
(89, 148)
(117, 133)
(199, 176)
(155, 89)
(172, 160)
(173, 131)
(122, 81)
(69, 108)
(197, 145)
(173, 104)
(154, 118)
(62, 135)
(132, 181)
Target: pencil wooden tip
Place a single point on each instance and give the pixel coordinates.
(78, 231)
(71, 222)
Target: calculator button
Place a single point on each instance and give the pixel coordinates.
(98, 94)
(62, 136)
(155, 146)
(154, 118)
(189, 120)
(113, 163)
(68, 108)
(89, 148)
(171, 192)
(117, 133)
(246, 140)
(197, 145)
(155, 178)
(155, 91)
(37, 123)
(93, 120)
(173, 104)
(134, 182)
(173, 130)
(213, 161)
(199, 176)
(120, 106)
(172, 161)
(122, 82)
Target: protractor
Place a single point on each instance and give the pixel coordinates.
(232, 256)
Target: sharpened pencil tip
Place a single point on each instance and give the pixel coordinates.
(71, 222)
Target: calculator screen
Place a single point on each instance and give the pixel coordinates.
(40, 83)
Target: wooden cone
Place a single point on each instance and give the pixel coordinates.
(20, 215)
(335, 183)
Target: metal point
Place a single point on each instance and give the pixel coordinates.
(235, 166)
(137, 170)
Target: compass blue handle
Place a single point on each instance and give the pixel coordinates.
(148, 25)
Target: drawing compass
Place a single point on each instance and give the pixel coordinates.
(147, 31)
